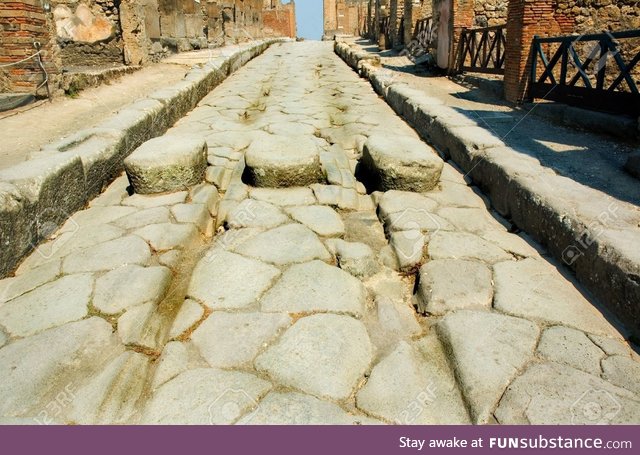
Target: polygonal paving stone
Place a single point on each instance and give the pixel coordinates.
(205, 396)
(553, 394)
(570, 347)
(50, 305)
(135, 326)
(416, 219)
(197, 214)
(356, 258)
(108, 255)
(488, 349)
(251, 213)
(622, 371)
(325, 355)
(292, 408)
(144, 218)
(463, 245)
(320, 219)
(408, 247)
(228, 340)
(173, 361)
(292, 243)
(284, 196)
(13, 287)
(129, 286)
(407, 388)
(534, 289)
(398, 201)
(51, 360)
(471, 219)
(452, 284)
(190, 313)
(315, 286)
(148, 201)
(226, 280)
(167, 236)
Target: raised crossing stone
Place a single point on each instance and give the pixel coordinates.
(167, 163)
(313, 287)
(325, 355)
(401, 163)
(279, 161)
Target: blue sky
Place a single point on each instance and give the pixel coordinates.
(309, 18)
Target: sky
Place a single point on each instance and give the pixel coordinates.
(309, 18)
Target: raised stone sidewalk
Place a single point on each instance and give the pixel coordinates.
(591, 232)
(38, 195)
(228, 303)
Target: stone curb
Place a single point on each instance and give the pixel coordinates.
(595, 236)
(37, 196)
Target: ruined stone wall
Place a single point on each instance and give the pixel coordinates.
(396, 26)
(490, 12)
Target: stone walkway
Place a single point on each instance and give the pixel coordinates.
(231, 303)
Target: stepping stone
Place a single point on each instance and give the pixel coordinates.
(488, 350)
(454, 284)
(292, 243)
(129, 286)
(205, 396)
(225, 280)
(320, 219)
(409, 389)
(50, 305)
(401, 163)
(278, 161)
(554, 394)
(228, 340)
(313, 287)
(325, 355)
(167, 163)
(292, 408)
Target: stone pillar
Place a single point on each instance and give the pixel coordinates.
(137, 45)
(395, 26)
(525, 18)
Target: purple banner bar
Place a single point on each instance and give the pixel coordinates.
(314, 440)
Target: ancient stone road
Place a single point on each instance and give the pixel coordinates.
(229, 303)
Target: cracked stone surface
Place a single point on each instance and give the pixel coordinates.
(324, 355)
(315, 286)
(224, 302)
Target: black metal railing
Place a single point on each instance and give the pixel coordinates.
(481, 50)
(588, 70)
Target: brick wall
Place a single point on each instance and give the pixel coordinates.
(414, 10)
(280, 20)
(21, 23)
(348, 17)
